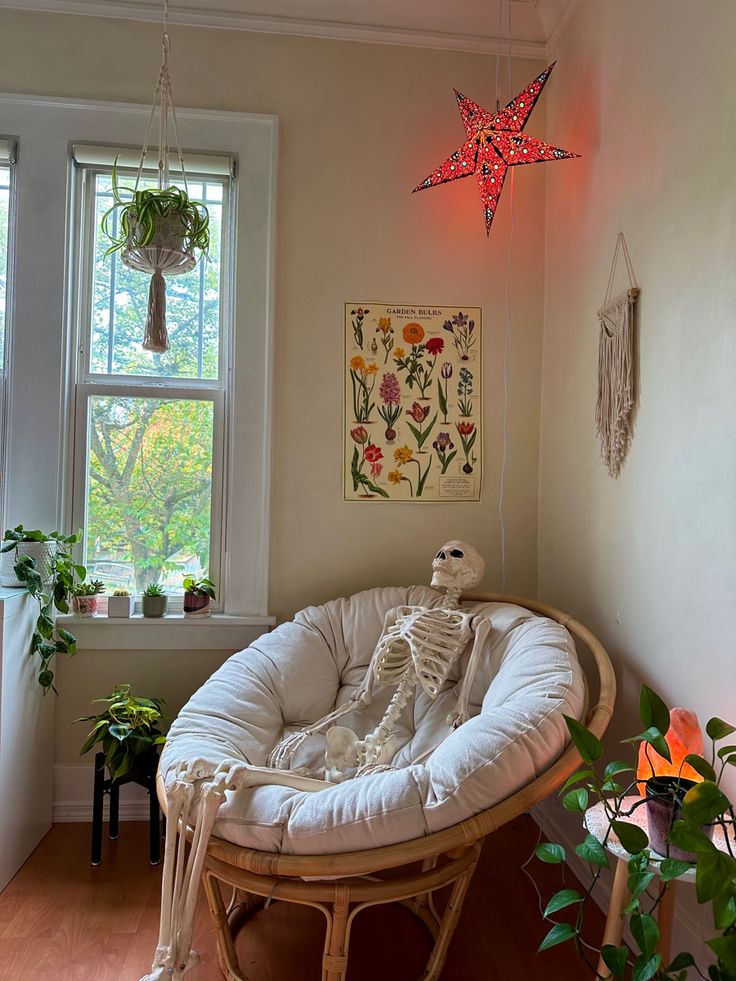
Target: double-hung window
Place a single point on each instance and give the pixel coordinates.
(150, 429)
(7, 209)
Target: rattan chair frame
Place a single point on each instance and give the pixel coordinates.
(342, 885)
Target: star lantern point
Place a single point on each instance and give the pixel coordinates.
(494, 142)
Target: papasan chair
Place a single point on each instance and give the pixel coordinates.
(482, 746)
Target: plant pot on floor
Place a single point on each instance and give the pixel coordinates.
(155, 606)
(120, 606)
(196, 606)
(42, 554)
(664, 807)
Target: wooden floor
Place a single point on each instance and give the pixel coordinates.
(62, 920)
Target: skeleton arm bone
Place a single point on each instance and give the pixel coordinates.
(460, 715)
(282, 754)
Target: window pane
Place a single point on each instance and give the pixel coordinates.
(149, 485)
(4, 228)
(120, 301)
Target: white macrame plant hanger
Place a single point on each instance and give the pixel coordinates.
(166, 254)
(616, 366)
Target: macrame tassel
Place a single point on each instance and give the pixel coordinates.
(616, 379)
(156, 338)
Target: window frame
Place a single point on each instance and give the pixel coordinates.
(12, 143)
(41, 471)
(88, 383)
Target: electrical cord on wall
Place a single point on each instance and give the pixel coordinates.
(507, 338)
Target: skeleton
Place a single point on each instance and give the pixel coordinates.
(418, 647)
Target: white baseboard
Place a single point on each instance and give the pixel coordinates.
(73, 797)
(687, 932)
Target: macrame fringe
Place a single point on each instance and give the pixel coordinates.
(615, 379)
(156, 338)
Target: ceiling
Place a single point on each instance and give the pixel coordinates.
(463, 25)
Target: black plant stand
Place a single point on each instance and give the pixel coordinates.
(145, 776)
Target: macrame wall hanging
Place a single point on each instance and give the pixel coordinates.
(616, 366)
(162, 231)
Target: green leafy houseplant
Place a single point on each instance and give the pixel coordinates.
(84, 597)
(140, 213)
(50, 592)
(703, 805)
(197, 595)
(129, 730)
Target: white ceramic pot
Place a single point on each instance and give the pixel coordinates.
(41, 552)
(120, 606)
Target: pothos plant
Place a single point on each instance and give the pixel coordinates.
(139, 213)
(129, 730)
(702, 807)
(48, 639)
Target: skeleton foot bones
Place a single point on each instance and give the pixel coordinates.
(418, 647)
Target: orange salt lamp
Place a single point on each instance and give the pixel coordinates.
(684, 736)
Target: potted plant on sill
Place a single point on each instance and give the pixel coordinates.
(692, 809)
(155, 601)
(129, 730)
(19, 543)
(120, 604)
(49, 587)
(197, 596)
(84, 598)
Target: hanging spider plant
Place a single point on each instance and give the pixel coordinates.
(142, 213)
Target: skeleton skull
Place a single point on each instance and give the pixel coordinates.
(457, 566)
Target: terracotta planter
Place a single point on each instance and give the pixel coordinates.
(41, 552)
(196, 606)
(84, 606)
(664, 807)
(154, 606)
(120, 606)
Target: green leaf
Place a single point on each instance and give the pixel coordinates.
(713, 875)
(122, 768)
(576, 800)
(724, 910)
(718, 729)
(615, 959)
(633, 838)
(726, 751)
(673, 868)
(646, 932)
(616, 766)
(576, 778)
(440, 398)
(559, 933)
(639, 882)
(725, 950)
(652, 710)
(701, 766)
(592, 851)
(563, 899)
(682, 961)
(690, 839)
(119, 732)
(550, 853)
(645, 969)
(655, 738)
(703, 802)
(69, 639)
(588, 745)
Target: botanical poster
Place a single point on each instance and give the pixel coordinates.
(413, 405)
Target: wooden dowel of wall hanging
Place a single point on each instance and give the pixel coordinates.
(634, 291)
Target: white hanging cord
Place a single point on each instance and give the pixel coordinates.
(498, 54)
(507, 342)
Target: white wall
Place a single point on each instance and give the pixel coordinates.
(647, 94)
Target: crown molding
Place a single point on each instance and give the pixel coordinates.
(290, 27)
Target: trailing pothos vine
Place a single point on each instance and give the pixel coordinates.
(48, 638)
(703, 808)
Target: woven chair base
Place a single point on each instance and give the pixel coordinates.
(340, 901)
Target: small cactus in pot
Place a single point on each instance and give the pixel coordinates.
(120, 604)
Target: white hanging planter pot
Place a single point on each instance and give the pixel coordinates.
(166, 252)
(42, 554)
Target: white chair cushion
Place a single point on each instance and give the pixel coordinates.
(527, 678)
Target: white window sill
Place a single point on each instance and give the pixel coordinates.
(174, 631)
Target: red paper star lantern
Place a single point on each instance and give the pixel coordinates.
(495, 142)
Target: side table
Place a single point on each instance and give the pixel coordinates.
(596, 823)
(145, 777)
